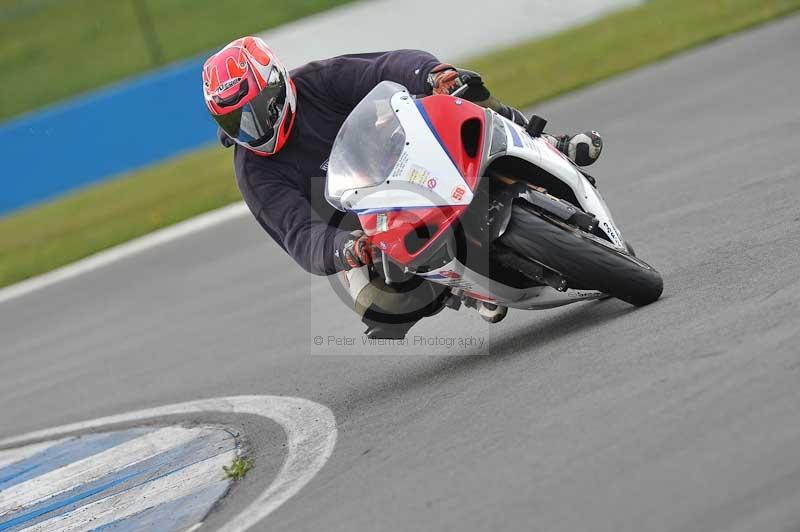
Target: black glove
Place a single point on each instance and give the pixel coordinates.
(446, 79)
(443, 79)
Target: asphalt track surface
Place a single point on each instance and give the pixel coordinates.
(684, 415)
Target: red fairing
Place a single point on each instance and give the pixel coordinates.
(368, 223)
(405, 234)
(400, 224)
(448, 116)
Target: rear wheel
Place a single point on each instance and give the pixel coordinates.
(580, 257)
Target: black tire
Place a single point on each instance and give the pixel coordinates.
(580, 257)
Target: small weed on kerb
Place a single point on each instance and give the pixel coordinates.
(238, 469)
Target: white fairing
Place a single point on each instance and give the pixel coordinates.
(424, 175)
(387, 132)
(541, 153)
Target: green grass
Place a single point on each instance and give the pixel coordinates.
(238, 469)
(622, 41)
(51, 235)
(54, 49)
(59, 232)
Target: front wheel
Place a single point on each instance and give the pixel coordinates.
(581, 257)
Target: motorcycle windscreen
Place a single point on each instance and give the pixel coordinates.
(368, 145)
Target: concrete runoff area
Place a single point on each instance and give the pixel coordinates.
(683, 415)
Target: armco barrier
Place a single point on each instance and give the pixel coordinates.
(119, 128)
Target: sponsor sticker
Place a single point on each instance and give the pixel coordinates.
(418, 175)
(448, 278)
(431, 183)
(612, 232)
(225, 85)
(400, 167)
(382, 222)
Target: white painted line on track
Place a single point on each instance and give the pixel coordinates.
(310, 435)
(93, 467)
(123, 251)
(140, 498)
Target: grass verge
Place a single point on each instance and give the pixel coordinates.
(54, 234)
(540, 69)
(44, 237)
(64, 47)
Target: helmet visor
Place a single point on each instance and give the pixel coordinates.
(254, 124)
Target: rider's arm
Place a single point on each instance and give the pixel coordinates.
(351, 77)
(283, 210)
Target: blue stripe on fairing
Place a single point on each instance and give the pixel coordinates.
(26, 517)
(391, 209)
(179, 514)
(159, 466)
(435, 134)
(67, 452)
(515, 136)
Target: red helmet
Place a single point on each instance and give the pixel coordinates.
(250, 95)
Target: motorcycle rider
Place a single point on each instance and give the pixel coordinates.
(282, 125)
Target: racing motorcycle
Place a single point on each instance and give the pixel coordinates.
(461, 196)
